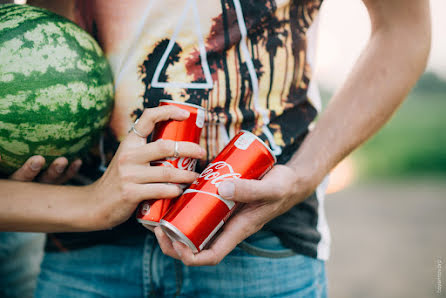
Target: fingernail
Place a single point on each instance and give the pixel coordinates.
(36, 165)
(227, 189)
(177, 249)
(185, 113)
(60, 169)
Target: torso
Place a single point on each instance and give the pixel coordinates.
(258, 84)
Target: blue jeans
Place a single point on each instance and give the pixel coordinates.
(20, 256)
(136, 267)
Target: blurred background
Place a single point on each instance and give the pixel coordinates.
(386, 205)
(387, 201)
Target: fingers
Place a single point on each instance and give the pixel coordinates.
(140, 192)
(151, 228)
(247, 191)
(150, 117)
(30, 169)
(72, 170)
(145, 174)
(53, 176)
(166, 244)
(54, 171)
(162, 149)
(235, 231)
(57, 172)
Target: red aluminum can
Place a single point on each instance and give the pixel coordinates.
(150, 212)
(200, 212)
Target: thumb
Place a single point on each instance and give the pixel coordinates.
(243, 190)
(29, 170)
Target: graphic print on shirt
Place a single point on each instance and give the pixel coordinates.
(242, 60)
(191, 5)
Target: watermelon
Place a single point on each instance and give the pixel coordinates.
(56, 87)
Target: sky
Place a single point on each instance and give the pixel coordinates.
(344, 30)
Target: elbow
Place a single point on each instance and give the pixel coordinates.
(403, 28)
(410, 45)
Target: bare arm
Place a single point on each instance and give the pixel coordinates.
(29, 206)
(390, 64)
(129, 179)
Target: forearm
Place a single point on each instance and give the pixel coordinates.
(389, 66)
(112, 199)
(34, 207)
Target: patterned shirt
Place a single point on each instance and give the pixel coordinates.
(245, 61)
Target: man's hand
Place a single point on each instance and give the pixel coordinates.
(57, 172)
(263, 200)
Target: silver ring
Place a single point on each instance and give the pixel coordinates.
(175, 151)
(135, 131)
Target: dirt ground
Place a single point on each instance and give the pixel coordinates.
(388, 240)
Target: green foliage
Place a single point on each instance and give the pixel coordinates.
(413, 142)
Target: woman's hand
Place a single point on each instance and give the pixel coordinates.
(130, 179)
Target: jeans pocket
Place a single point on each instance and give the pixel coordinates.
(265, 244)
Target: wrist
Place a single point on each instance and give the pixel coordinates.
(84, 216)
(306, 178)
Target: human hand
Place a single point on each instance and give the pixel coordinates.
(57, 173)
(130, 178)
(279, 190)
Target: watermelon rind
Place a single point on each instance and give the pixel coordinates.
(56, 87)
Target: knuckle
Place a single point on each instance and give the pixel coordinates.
(166, 147)
(147, 113)
(215, 262)
(26, 175)
(215, 259)
(169, 109)
(280, 190)
(248, 230)
(122, 158)
(124, 175)
(167, 174)
(195, 147)
(126, 192)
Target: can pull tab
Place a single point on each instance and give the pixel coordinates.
(200, 118)
(244, 141)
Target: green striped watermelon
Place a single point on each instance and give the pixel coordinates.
(56, 88)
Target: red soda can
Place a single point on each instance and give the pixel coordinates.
(200, 211)
(151, 211)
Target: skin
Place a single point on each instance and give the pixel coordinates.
(111, 200)
(390, 64)
(57, 173)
